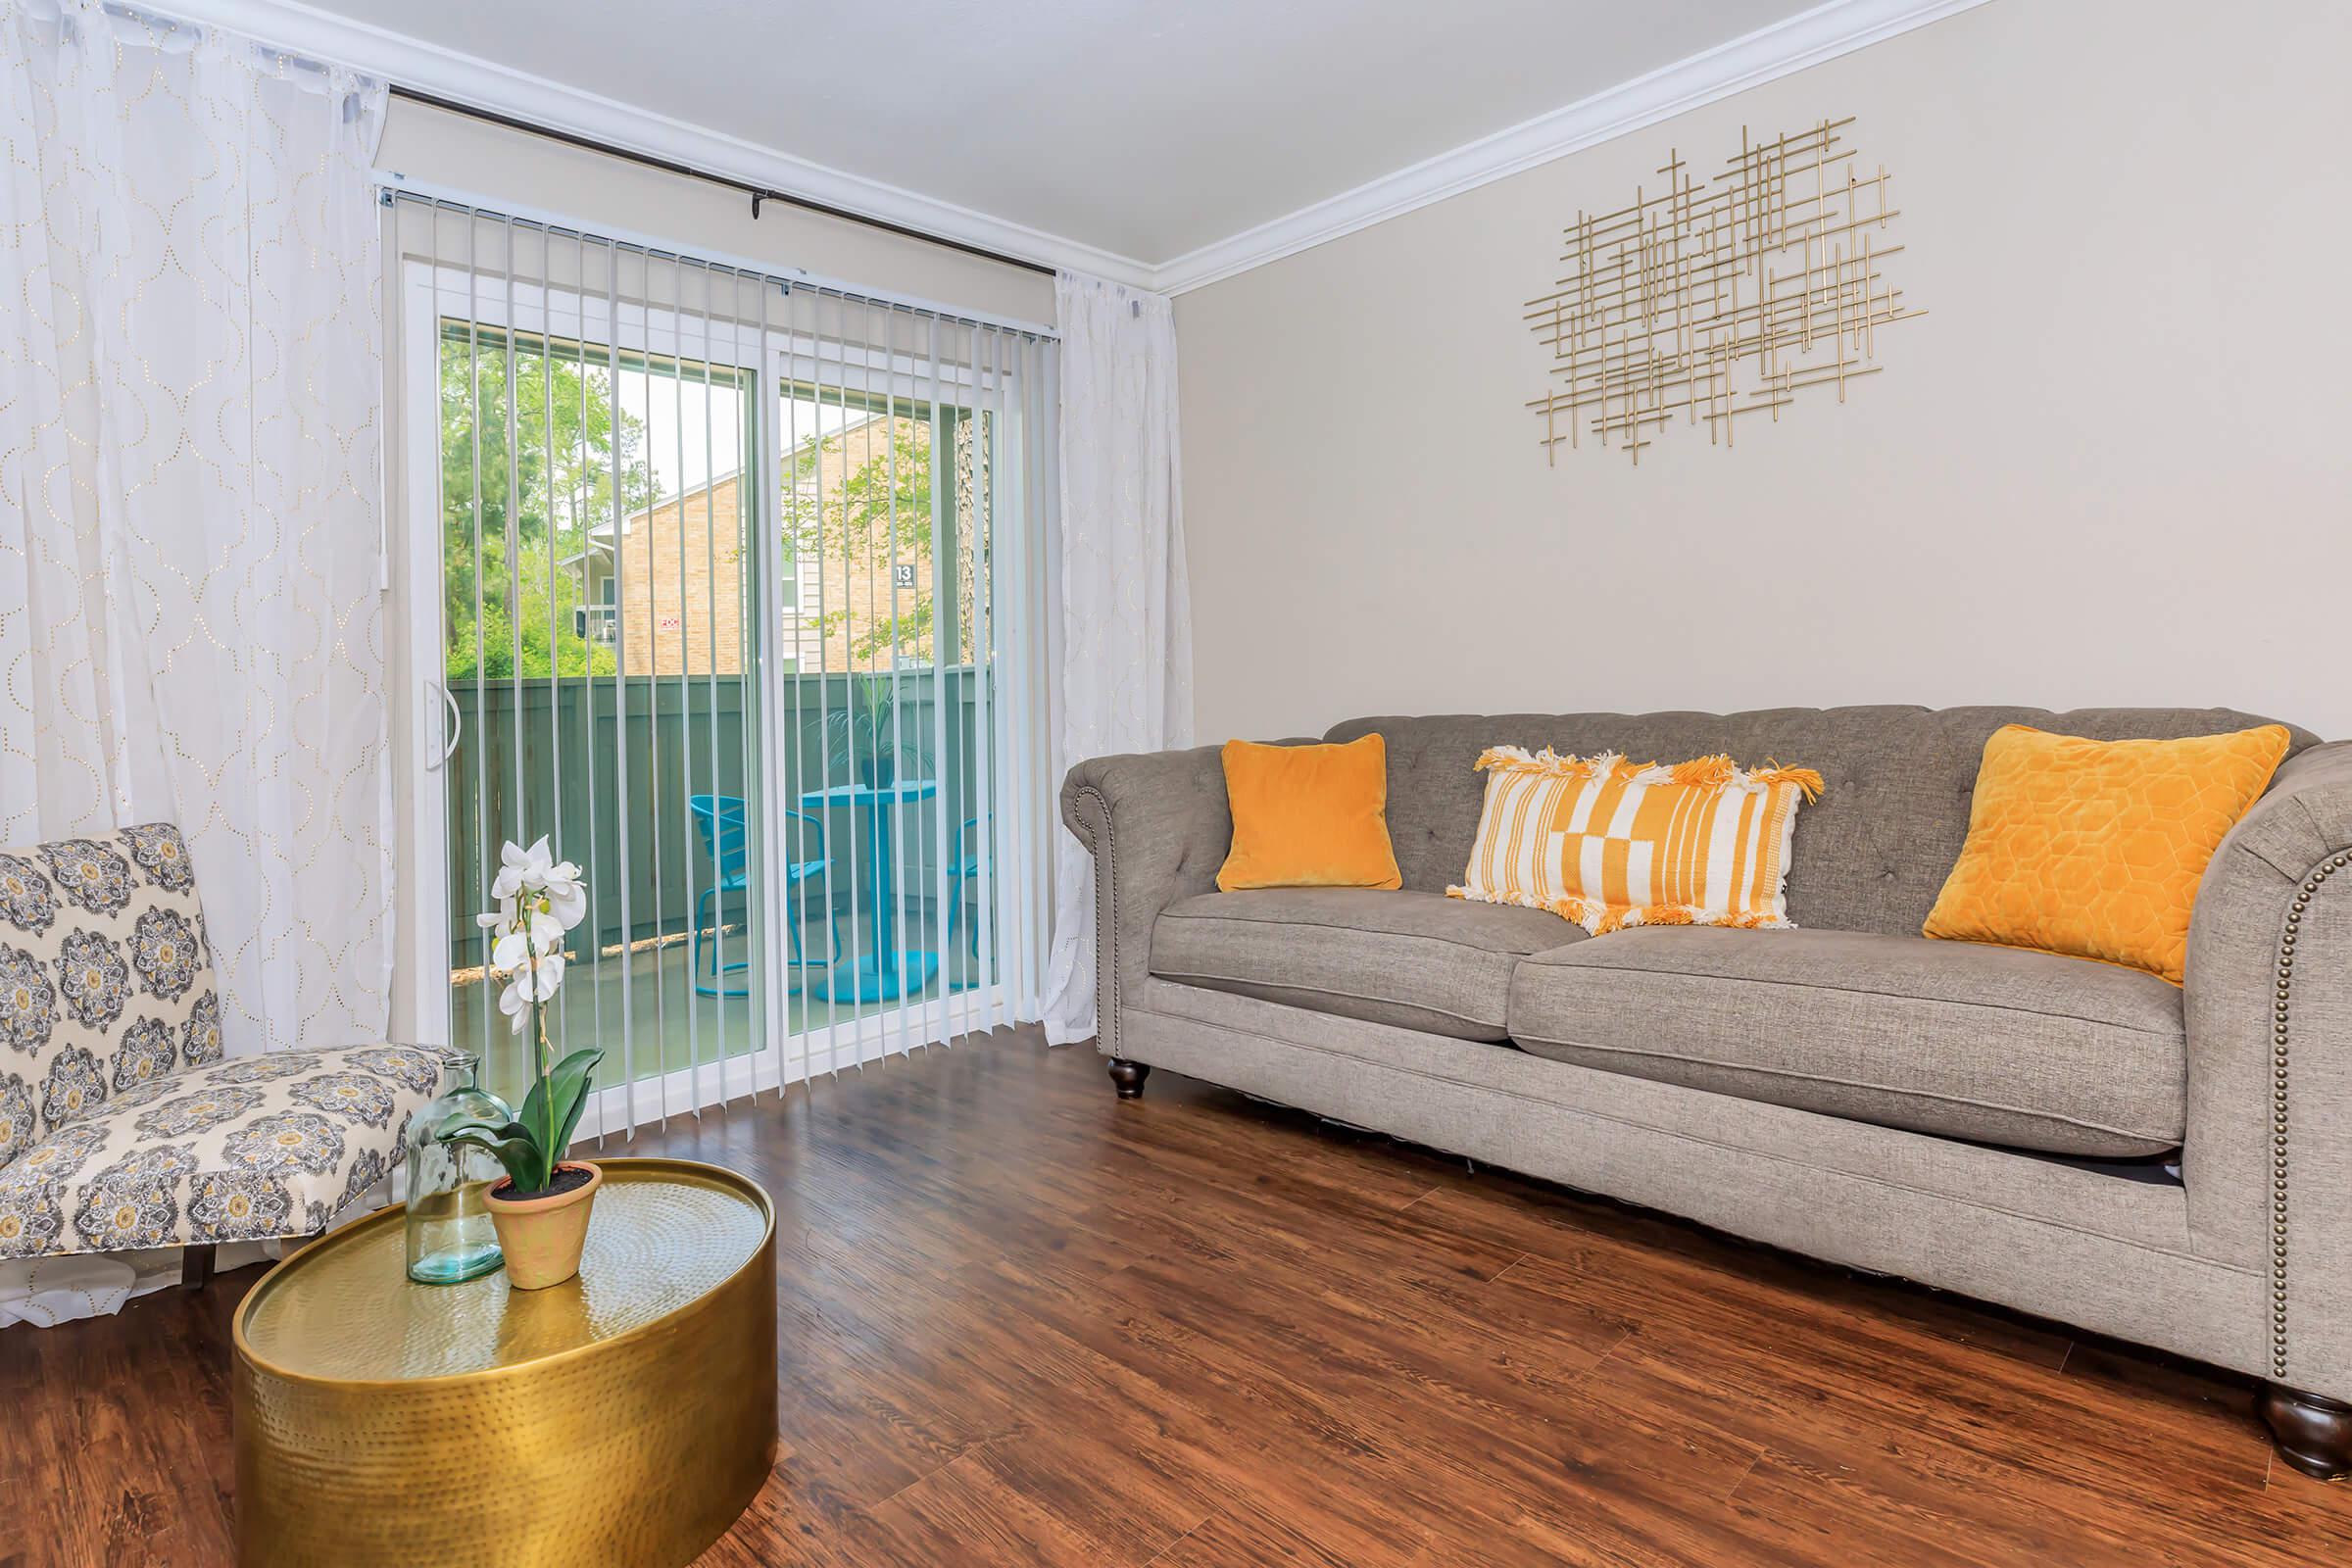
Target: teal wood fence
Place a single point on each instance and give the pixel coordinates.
(547, 756)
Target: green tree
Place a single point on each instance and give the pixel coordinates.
(565, 426)
(862, 521)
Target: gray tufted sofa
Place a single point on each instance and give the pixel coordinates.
(2167, 1164)
(122, 1126)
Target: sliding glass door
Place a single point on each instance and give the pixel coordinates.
(737, 593)
(597, 496)
(894, 746)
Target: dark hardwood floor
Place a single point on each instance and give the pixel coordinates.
(1023, 1321)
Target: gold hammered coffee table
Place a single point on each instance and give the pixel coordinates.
(625, 1417)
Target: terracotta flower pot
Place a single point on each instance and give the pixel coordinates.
(542, 1237)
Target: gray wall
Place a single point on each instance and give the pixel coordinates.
(2108, 467)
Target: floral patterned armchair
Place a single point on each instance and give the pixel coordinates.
(121, 1124)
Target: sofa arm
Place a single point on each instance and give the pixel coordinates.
(1158, 828)
(2268, 1160)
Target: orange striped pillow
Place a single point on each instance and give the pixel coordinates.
(1607, 843)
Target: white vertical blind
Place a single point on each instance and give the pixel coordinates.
(743, 587)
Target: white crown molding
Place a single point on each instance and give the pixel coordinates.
(1808, 38)
(485, 84)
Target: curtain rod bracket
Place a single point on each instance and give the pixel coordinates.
(758, 197)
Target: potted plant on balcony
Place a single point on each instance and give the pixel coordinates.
(541, 1207)
(868, 736)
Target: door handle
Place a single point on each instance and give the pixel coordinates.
(455, 727)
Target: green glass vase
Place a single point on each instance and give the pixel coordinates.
(451, 1237)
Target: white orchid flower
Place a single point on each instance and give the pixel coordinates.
(516, 1005)
(522, 869)
(535, 977)
(532, 953)
(546, 973)
(545, 930)
(514, 951)
(533, 880)
(539, 899)
(565, 897)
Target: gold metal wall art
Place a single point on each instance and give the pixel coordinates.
(1720, 297)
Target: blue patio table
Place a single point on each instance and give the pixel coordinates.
(882, 973)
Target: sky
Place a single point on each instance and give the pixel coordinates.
(709, 426)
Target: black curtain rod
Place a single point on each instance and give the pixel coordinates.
(758, 193)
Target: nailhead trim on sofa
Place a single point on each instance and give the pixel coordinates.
(2278, 1103)
(1107, 921)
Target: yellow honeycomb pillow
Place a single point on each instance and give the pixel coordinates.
(2095, 849)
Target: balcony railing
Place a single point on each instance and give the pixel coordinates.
(549, 757)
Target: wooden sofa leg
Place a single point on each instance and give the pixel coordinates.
(2314, 1433)
(195, 1267)
(1129, 1076)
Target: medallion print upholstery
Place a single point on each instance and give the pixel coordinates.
(238, 1205)
(27, 1001)
(89, 873)
(92, 979)
(186, 1157)
(135, 1201)
(263, 1070)
(102, 950)
(75, 1087)
(27, 900)
(354, 1096)
(200, 1036)
(198, 1112)
(16, 1118)
(121, 1122)
(367, 1168)
(61, 1156)
(30, 1221)
(163, 949)
(146, 1054)
(148, 1093)
(287, 1141)
(402, 1063)
(161, 854)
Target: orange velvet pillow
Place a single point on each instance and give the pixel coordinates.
(2095, 849)
(1308, 816)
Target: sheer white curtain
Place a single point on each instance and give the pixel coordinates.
(190, 531)
(1126, 654)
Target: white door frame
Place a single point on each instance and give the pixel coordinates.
(779, 356)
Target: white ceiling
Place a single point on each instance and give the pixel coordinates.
(1147, 131)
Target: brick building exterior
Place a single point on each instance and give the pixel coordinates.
(678, 604)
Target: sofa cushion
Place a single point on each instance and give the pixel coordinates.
(106, 978)
(1307, 817)
(1419, 961)
(1995, 1044)
(1870, 855)
(2097, 847)
(254, 1147)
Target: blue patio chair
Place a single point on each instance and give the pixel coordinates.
(963, 867)
(720, 818)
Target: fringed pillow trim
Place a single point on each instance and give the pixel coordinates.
(1527, 791)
